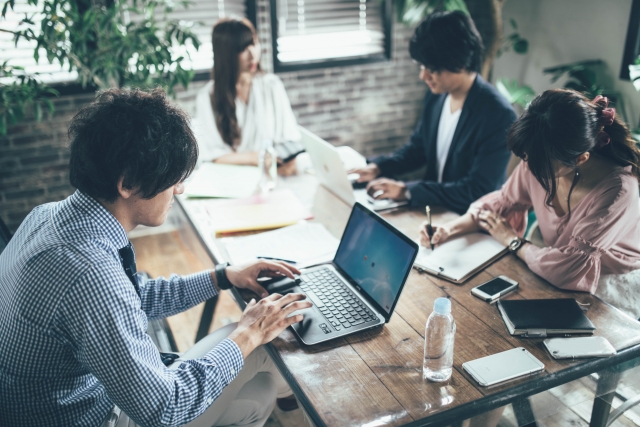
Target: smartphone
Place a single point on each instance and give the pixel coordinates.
(503, 366)
(574, 348)
(494, 288)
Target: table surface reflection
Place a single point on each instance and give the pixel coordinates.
(374, 378)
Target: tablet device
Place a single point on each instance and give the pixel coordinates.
(503, 366)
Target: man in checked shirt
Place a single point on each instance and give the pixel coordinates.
(74, 349)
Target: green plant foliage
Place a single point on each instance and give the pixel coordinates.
(582, 76)
(95, 40)
(514, 41)
(515, 93)
(411, 12)
(109, 43)
(20, 92)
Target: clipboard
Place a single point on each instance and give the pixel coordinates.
(460, 258)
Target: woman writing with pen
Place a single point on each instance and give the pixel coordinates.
(579, 173)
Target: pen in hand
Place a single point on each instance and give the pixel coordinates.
(429, 227)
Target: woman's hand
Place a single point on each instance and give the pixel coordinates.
(497, 226)
(440, 235)
(287, 169)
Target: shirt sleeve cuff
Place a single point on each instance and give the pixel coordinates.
(202, 285)
(229, 358)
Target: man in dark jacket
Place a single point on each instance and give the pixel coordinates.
(461, 137)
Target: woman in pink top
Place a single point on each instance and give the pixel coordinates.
(580, 175)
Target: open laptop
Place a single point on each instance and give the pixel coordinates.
(331, 174)
(359, 289)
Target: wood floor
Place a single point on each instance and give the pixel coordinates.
(177, 250)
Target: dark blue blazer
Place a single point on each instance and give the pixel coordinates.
(478, 157)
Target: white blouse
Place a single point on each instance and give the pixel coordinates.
(267, 116)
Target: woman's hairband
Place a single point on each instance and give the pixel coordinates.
(606, 118)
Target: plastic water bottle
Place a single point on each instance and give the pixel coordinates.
(439, 335)
(268, 166)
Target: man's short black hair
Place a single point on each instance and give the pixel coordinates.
(133, 134)
(447, 41)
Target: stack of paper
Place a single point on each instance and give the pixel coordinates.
(273, 210)
(460, 258)
(304, 244)
(220, 180)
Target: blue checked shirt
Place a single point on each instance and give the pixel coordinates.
(72, 328)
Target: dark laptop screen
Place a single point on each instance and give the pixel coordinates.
(376, 256)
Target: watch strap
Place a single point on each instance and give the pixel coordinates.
(221, 276)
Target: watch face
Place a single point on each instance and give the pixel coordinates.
(515, 244)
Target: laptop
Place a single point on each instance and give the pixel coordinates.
(359, 289)
(332, 175)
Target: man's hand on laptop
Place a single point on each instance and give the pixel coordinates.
(367, 173)
(245, 276)
(385, 188)
(264, 320)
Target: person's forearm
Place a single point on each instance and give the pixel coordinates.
(245, 340)
(462, 225)
(249, 158)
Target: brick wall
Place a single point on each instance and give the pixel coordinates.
(371, 107)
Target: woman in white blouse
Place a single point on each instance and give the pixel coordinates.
(242, 107)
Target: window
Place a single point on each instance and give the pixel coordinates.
(632, 44)
(204, 12)
(320, 33)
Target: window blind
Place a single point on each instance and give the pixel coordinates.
(204, 13)
(317, 30)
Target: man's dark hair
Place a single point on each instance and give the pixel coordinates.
(133, 134)
(447, 41)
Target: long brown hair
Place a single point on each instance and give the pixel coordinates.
(230, 37)
(559, 125)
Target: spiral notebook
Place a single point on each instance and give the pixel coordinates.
(460, 258)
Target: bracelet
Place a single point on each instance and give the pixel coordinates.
(221, 276)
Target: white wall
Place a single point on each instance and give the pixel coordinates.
(565, 31)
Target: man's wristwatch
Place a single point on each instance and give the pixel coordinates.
(221, 276)
(516, 243)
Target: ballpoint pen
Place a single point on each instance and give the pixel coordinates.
(277, 259)
(429, 227)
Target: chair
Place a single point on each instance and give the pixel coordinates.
(5, 235)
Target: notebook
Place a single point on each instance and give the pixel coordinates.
(538, 318)
(276, 209)
(460, 258)
(221, 180)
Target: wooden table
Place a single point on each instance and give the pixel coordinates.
(374, 378)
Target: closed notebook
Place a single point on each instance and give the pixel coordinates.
(542, 317)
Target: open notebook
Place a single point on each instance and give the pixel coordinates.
(460, 258)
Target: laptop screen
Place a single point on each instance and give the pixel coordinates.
(376, 256)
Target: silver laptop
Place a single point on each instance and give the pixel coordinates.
(359, 289)
(332, 175)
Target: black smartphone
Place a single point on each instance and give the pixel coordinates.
(494, 288)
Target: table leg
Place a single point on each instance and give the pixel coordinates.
(206, 318)
(605, 391)
(524, 413)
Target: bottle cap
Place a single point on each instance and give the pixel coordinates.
(442, 306)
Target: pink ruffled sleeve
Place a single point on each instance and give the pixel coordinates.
(511, 202)
(576, 266)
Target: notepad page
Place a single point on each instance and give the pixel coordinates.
(224, 181)
(305, 243)
(460, 256)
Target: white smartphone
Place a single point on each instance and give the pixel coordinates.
(494, 288)
(503, 366)
(578, 347)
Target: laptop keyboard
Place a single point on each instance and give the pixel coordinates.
(341, 307)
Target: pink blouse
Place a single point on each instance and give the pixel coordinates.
(602, 236)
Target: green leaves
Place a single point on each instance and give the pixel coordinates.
(92, 38)
(581, 75)
(411, 12)
(515, 93)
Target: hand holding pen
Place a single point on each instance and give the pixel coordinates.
(430, 235)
